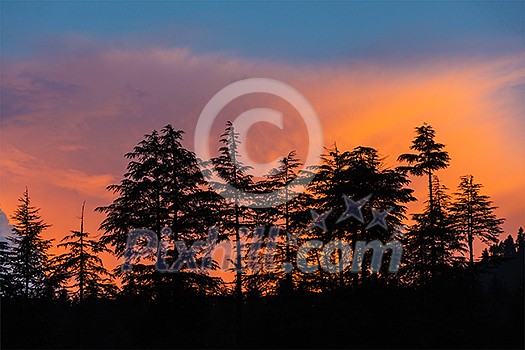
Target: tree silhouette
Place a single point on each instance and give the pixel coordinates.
(83, 264)
(361, 176)
(426, 242)
(30, 257)
(474, 215)
(509, 247)
(439, 298)
(282, 207)
(504, 249)
(162, 187)
(520, 240)
(8, 284)
(234, 183)
(429, 157)
(233, 210)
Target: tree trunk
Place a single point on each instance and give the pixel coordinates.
(432, 232)
(470, 237)
(238, 260)
(288, 277)
(81, 274)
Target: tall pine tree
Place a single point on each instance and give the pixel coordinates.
(360, 176)
(474, 215)
(162, 187)
(427, 244)
(83, 265)
(8, 285)
(30, 258)
(234, 182)
(282, 208)
(428, 157)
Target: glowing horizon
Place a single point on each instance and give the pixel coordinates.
(79, 95)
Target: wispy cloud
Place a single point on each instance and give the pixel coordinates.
(68, 121)
(16, 163)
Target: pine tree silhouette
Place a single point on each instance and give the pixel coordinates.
(82, 264)
(473, 215)
(429, 157)
(8, 284)
(360, 176)
(235, 182)
(30, 257)
(284, 204)
(422, 238)
(162, 187)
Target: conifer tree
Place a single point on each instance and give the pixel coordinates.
(473, 215)
(360, 176)
(8, 285)
(83, 265)
(235, 181)
(286, 184)
(162, 187)
(30, 257)
(520, 240)
(426, 244)
(428, 157)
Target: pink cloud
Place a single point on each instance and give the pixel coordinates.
(68, 120)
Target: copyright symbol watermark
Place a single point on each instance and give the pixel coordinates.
(242, 124)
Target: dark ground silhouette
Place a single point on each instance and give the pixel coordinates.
(452, 313)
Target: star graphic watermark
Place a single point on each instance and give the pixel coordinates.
(353, 208)
(379, 218)
(318, 219)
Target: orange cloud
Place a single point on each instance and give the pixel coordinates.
(67, 123)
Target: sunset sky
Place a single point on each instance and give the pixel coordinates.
(82, 82)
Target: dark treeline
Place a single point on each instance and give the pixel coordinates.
(441, 296)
